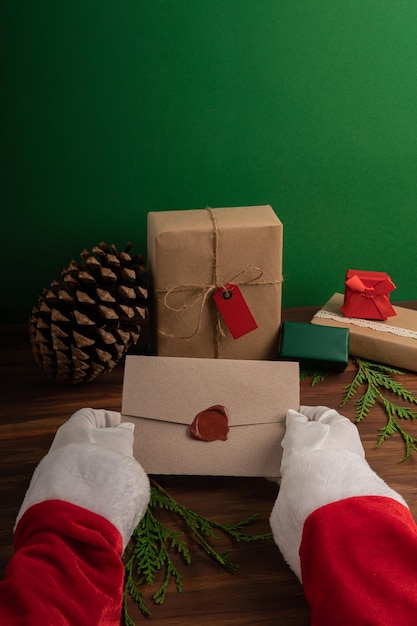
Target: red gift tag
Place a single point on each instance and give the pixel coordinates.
(235, 312)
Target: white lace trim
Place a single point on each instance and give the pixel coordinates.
(381, 327)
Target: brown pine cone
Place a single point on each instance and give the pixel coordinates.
(83, 325)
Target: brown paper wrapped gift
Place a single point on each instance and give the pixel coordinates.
(193, 252)
(163, 395)
(392, 342)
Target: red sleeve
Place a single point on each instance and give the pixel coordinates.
(359, 563)
(66, 569)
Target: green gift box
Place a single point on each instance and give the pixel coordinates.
(315, 347)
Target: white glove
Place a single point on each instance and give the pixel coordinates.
(323, 461)
(90, 464)
(317, 428)
(96, 426)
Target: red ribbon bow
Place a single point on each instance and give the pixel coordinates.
(368, 301)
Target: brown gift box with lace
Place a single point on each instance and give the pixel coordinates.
(194, 253)
(392, 341)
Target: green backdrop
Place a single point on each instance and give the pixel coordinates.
(113, 108)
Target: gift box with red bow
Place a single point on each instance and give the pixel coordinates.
(367, 295)
(392, 342)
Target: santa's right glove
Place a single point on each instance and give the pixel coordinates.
(90, 464)
(84, 500)
(348, 536)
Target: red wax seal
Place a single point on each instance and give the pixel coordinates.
(210, 424)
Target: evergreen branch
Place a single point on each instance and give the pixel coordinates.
(392, 427)
(149, 552)
(236, 533)
(377, 367)
(316, 376)
(377, 378)
(171, 572)
(366, 402)
(131, 589)
(351, 389)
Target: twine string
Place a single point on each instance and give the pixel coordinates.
(202, 294)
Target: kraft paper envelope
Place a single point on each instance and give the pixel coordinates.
(162, 396)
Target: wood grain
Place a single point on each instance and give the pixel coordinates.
(263, 590)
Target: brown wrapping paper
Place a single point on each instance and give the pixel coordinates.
(162, 396)
(192, 252)
(392, 341)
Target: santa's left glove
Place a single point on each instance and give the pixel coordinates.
(90, 464)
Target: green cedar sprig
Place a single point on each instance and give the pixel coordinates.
(316, 376)
(378, 377)
(153, 543)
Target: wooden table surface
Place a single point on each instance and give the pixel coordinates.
(263, 590)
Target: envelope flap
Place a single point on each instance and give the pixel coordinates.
(176, 389)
